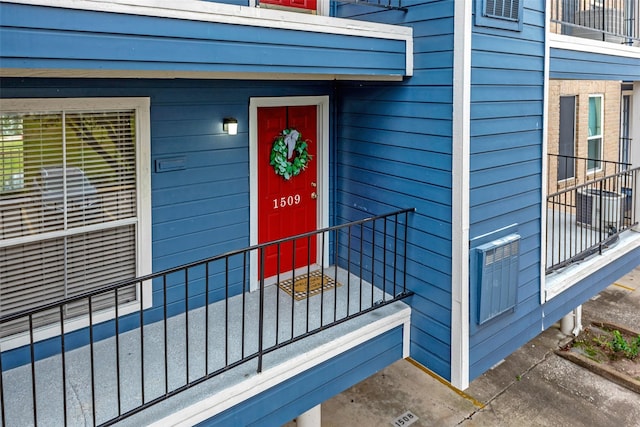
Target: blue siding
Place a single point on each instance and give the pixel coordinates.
(507, 92)
(46, 37)
(394, 151)
(284, 402)
(575, 65)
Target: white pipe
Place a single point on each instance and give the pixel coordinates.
(577, 321)
(572, 322)
(566, 324)
(311, 418)
(634, 149)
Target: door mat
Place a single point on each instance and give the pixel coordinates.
(308, 285)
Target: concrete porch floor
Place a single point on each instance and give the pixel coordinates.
(532, 387)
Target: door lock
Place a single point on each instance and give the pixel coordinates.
(314, 185)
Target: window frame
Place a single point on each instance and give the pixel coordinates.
(599, 136)
(141, 106)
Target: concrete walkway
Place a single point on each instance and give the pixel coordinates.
(532, 387)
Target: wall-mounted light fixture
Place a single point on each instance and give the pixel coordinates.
(230, 125)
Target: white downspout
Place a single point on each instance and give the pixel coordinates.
(571, 324)
(634, 146)
(460, 194)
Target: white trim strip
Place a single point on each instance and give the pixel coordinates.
(155, 74)
(545, 147)
(204, 11)
(460, 195)
(37, 237)
(559, 41)
(563, 280)
(270, 378)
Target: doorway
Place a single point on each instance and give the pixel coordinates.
(285, 205)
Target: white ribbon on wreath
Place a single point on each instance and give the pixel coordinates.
(291, 140)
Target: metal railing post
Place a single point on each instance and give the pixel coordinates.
(261, 311)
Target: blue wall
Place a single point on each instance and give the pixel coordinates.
(573, 65)
(507, 92)
(47, 37)
(394, 151)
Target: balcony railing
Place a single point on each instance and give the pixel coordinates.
(336, 4)
(569, 171)
(385, 4)
(204, 322)
(585, 219)
(616, 21)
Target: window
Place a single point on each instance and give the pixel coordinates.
(594, 139)
(74, 202)
(504, 14)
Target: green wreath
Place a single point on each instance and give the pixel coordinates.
(284, 146)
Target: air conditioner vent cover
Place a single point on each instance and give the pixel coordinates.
(497, 276)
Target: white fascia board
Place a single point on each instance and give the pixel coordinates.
(204, 11)
(155, 74)
(460, 195)
(559, 41)
(558, 282)
(269, 378)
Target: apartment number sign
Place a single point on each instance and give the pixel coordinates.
(285, 201)
(289, 155)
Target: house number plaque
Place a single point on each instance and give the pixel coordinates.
(404, 420)
(285, 201)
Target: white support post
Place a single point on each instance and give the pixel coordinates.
(311, 418)
(634, 148)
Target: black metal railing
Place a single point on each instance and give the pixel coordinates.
(336, 4)
(616, 21)
(587, 218)
(384, 4)
(206, 319)
(571, 170)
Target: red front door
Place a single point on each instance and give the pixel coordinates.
(287, 207)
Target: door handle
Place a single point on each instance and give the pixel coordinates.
(314, 195)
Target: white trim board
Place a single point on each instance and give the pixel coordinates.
(460, 195)
(195, 10)
(155, 74)
(545, 146)
(322, 157)
(269, 378)
(559, 41)
(558, 282)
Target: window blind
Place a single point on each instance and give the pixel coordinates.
(68, 207)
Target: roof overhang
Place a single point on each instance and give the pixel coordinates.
(194, 39)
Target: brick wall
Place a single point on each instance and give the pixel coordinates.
(611, 123)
